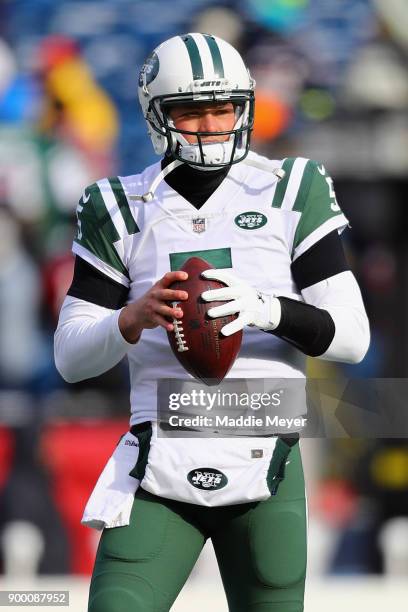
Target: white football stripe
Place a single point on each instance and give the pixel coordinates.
(294, 183)
(115, 214)
(112, 206)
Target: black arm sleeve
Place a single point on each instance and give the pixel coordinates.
(306, 327)
(309, 329)
(91, 285)
(324, 259)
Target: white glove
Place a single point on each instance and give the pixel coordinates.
(254, 308)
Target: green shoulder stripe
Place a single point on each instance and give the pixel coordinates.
(102, 216)
(316, 202)
(123, 204)
(96, 231)
(304, 187)
(283, 183)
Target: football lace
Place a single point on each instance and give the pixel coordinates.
(178, 332)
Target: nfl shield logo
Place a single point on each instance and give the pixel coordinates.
(199, 225)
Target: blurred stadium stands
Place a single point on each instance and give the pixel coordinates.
(332, 77)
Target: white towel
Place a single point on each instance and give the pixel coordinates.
(111, 501)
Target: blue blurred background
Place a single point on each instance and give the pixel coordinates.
(332, 85)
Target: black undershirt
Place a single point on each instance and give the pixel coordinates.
(308, 328)
(194, 185)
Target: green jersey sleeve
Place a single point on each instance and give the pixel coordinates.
(319, 210)
(103, 221)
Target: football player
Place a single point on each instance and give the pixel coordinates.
(270, 229)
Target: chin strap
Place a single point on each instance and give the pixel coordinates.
(279, 172)
(149, 195)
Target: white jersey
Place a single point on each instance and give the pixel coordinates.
(253, 223)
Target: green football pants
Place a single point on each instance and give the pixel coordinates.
(260, 548)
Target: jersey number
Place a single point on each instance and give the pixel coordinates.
(333, 205)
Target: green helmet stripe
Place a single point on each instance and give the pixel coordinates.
(215, 55)
(195, 59)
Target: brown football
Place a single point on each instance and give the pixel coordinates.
(196, 340)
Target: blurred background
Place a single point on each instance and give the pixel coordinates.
(332, 85)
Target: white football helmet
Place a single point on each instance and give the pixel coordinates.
(197, 68)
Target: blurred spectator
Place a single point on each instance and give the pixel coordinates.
(26, 497)
(75, 454)
(22, 350)
(363, 492)
(57, 278)
(18, 94)
(75, 107)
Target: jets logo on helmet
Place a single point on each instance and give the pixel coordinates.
(197, 68)
(149, 70)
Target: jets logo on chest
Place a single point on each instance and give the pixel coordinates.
(199, 225)
(250, 220)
